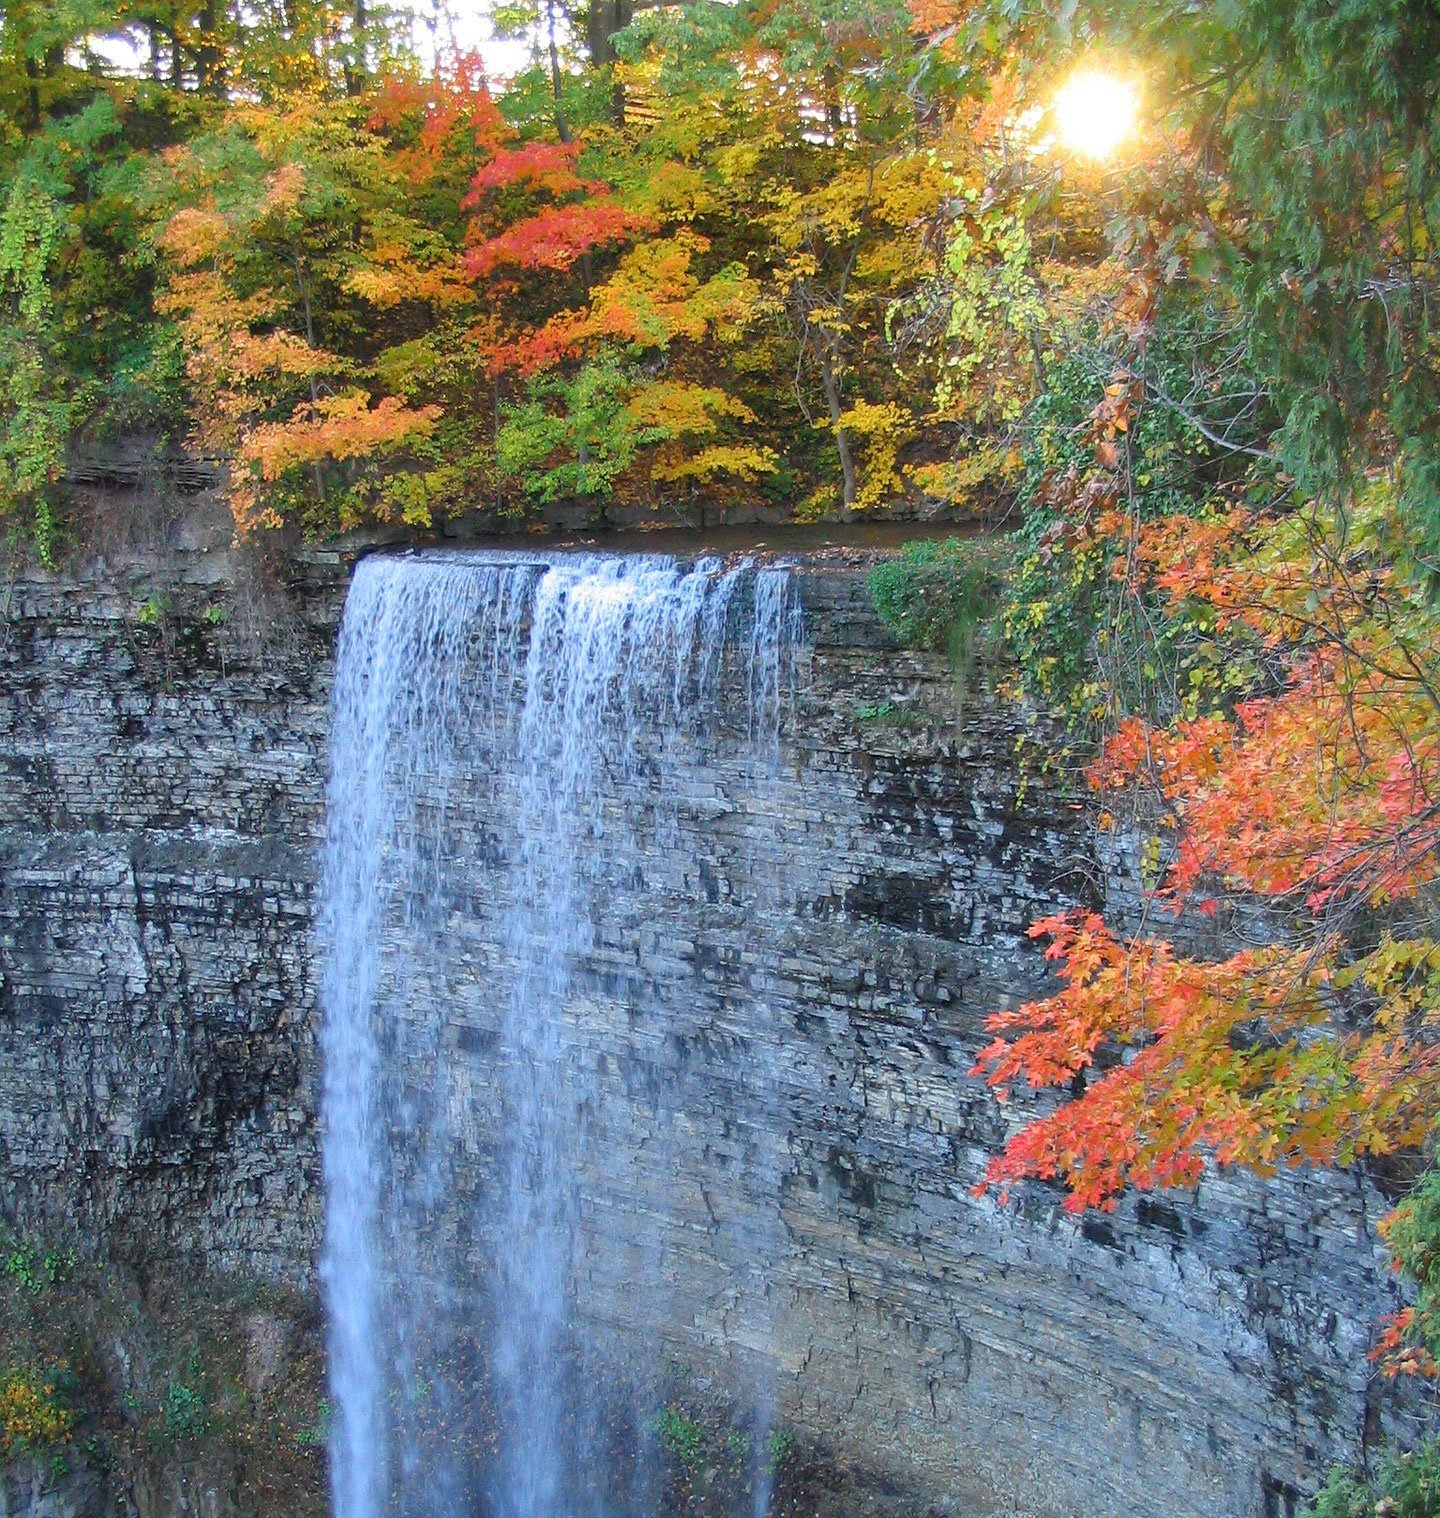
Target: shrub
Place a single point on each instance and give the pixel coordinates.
(31, 1268)
(780, 1443)
(1408, 1487)
(936, 594)
(185, 1412)
(316, 1433)
(34, 1414)
(682, 1436)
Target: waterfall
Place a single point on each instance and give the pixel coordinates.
(517, 747)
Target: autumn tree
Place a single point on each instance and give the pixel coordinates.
(1225, 502)
(81, 349)
(316, 297)
(609, 307)
(817, 122)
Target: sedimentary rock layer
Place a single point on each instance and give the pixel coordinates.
(162, 763)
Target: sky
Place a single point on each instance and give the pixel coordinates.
(436, 25)
(466, 25)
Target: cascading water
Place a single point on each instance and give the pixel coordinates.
(511, 741)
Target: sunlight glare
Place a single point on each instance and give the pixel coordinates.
(1095, 112)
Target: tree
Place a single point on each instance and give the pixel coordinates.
(303, 286)
(34, 403)
(1225, 576)
(824, 110)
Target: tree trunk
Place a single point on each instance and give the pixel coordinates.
(303, 285)
(32, 93)
(357, 63)
(495, 417)
(602, 21)
(833, 118)
(35, 74)
(562, 130)
(830, 382)
(209, 54)
(829, 349)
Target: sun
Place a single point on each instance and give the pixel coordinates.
(1094, 112)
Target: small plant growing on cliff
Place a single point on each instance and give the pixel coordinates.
(153, 610)
(1411, 1340)
(316, 1434)
(939, 596)
(780, 1443)
(34, 1269)
(1408, 1487)
(936, 593)
(35, 1414)
(682, 1436)
(186, 1415)
(887, 714)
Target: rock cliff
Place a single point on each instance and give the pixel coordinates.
(162, 759)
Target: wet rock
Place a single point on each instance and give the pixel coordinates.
(50, 1487)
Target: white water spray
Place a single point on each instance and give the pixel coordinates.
(507, 733)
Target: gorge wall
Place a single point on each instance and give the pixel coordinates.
(162, 759)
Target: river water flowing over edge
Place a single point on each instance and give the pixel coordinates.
(509, 737)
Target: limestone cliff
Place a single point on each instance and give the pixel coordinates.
(163, 757)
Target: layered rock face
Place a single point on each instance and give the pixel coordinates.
(159, 825)
(158, 822)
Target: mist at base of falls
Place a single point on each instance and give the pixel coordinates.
(515, 1153)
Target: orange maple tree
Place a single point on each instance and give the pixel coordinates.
(1314, 806)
